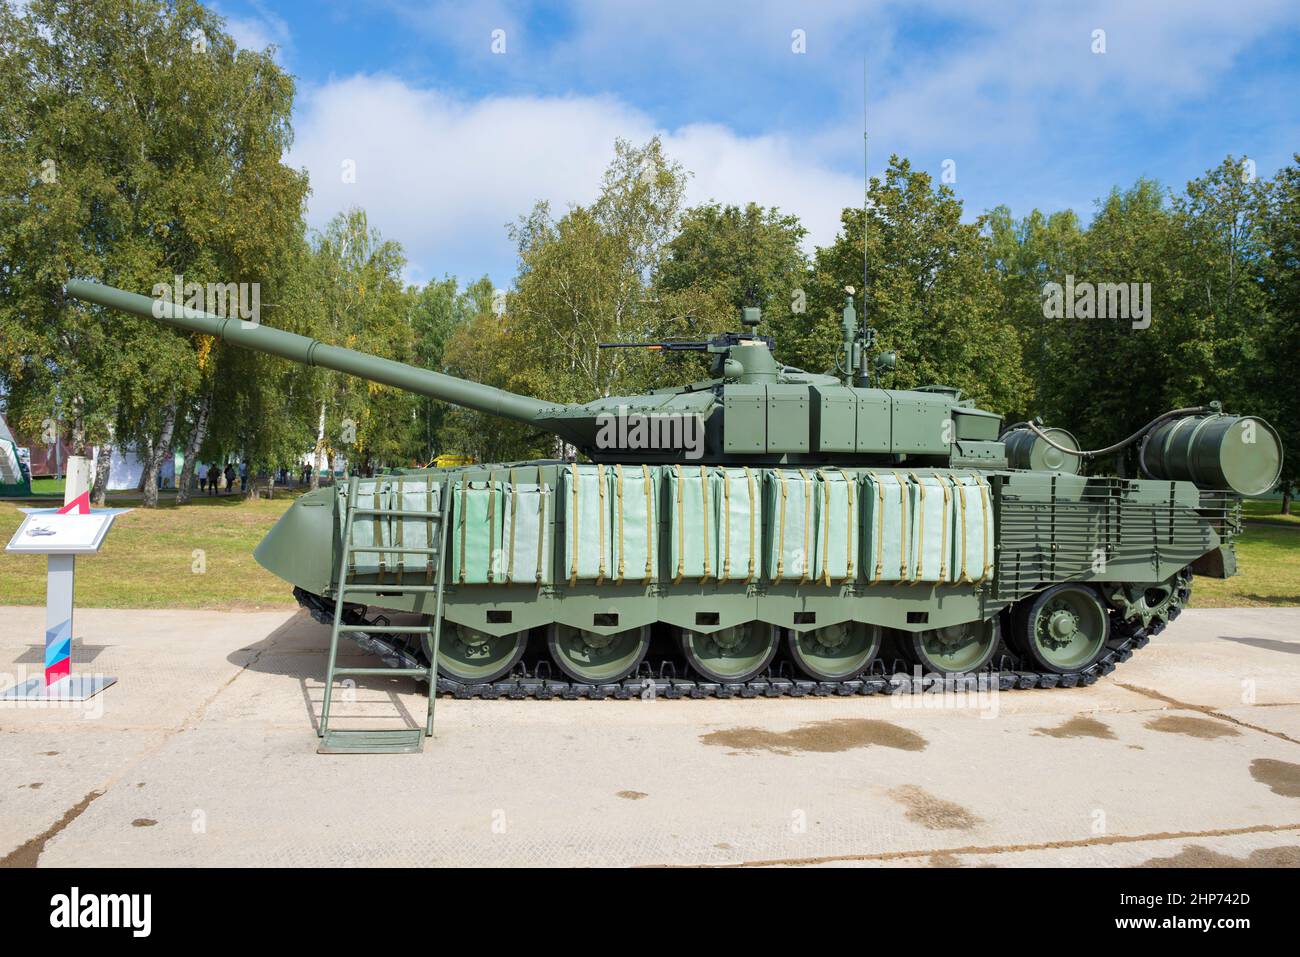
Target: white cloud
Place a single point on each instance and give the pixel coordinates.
(1014, 95)
(258, 30)
(444, 176)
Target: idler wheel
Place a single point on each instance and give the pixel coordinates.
(1064, 629)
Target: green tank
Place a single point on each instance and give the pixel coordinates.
(766, 531)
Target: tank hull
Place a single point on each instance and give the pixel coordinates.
(1114, 537)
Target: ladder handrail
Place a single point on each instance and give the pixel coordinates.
(338, 607)
(444, 495)
(430, 635)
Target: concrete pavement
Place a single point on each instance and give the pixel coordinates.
(204, 753)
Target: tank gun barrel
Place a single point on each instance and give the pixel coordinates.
(313, 352)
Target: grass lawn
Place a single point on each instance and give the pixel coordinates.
(47, 486)
(148, 559)
(1268, 570)
(1257, 510)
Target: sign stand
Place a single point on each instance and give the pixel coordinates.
(61, 534)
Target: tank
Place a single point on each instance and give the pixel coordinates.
(766, 531)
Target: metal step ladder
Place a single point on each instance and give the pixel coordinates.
(394, 740)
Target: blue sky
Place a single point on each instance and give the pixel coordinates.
(451, 141)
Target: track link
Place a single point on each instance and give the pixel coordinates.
(1007, 671)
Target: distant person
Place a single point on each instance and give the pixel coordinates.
(243, 477)
(230, 477)
(203, 480)
(214, 476)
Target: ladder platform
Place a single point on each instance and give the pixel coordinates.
(402, 549)
(385, 672)
(392, 741)
(388, 629)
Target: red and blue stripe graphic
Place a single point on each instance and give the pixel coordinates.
(58, 652)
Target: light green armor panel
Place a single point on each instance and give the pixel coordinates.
(837, 505)
(585, 500)
(740, 523)
(476, 556)
(693, 522)
(634, 521)
(792, 541)
(526, 529)
(973, 523)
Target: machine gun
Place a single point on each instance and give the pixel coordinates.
(718, 344)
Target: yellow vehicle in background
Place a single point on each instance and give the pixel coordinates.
(452, 460)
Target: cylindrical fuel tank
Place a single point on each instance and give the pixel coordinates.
(1238, 453)
(1026, 450)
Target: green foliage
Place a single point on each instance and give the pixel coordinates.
(1273, 375)
(136, 143)
(361, 303)
(930, 294)
(1215, 318)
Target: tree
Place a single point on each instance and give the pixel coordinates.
(438, 312)
(357, 300)
(137, 143)
(736, 257)
(1275, 371)
(929, 293)
(583, 279)
(722, 259)
(1025, 256)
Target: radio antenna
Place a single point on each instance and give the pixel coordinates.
(866, 190)
(866, 335)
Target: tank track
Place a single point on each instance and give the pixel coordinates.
(1007, 671)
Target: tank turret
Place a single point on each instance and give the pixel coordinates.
(753, 410)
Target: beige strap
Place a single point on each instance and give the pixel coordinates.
(541, 525)
(680, 493)
(826, 527)
(649, 522)
(961, 521)
(573, 520)
(464, 522)
(726, 526)
(902, 504)
(987, 510)
(943, 541)
(618, 482)
(920, 529)
(780, 545)
(514, 523)
(753, 509)
(880, 527)
(600, 518)
(492, 557)
(851, 538)
(704, 497)
(807, 525)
